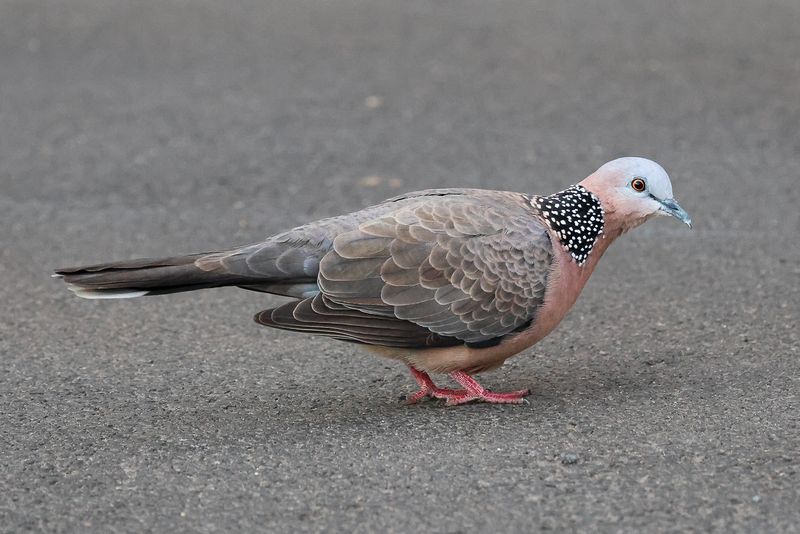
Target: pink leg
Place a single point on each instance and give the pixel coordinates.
(472, 390)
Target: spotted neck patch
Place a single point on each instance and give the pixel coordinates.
(575, 215)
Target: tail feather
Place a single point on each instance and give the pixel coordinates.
(146, 276)
(107, 293)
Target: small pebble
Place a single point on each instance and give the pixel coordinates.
(569, 458)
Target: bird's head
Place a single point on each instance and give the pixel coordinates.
(633, 190)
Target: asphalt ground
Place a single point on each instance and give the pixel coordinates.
(667, 401)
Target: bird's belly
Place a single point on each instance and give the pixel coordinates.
(461, 357)
(448, 359)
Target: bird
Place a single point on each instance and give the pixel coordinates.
(446, 281)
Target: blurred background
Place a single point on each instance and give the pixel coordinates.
(148, 128)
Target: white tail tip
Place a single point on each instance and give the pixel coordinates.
(107, 293)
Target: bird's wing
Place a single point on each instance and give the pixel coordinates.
(470, 268)
(288, 263)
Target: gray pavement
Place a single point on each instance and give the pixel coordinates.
(150, 127)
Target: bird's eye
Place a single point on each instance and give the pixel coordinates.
(638, 185)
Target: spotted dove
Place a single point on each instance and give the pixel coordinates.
(445, 280)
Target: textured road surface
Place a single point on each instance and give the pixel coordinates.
(669, 399)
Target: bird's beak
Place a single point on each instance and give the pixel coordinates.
(670, 207)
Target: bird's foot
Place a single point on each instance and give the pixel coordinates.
(475, 391)
(510, 397)
(438, 393)
(472, 391)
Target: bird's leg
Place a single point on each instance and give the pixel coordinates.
(476, 391)
(426, 385)
(428, 389)
(472, 390)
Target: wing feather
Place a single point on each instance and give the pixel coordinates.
(473, 267)
(433, 268)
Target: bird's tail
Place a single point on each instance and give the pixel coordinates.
(136, 278)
